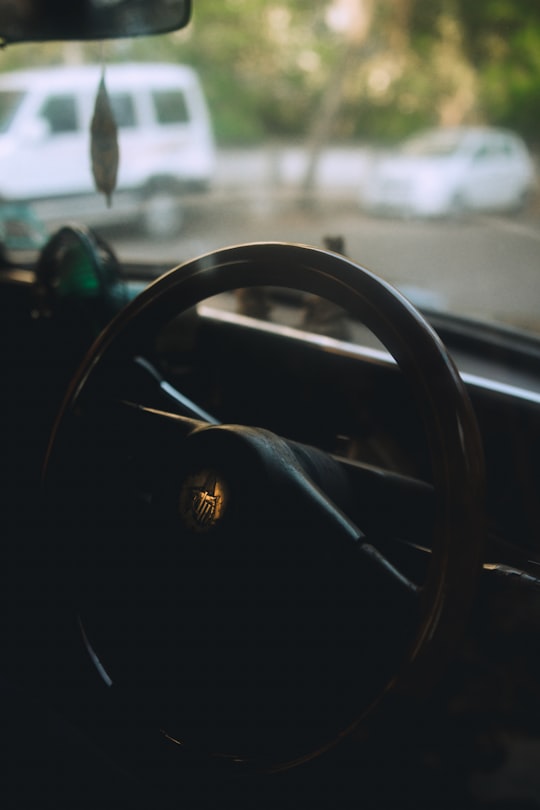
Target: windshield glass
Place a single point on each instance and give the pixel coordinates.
(277, 124)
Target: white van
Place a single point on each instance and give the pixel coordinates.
(164, 134)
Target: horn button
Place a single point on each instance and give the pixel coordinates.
(238, 478)
(237, 482)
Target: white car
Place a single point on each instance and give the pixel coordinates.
(444, 172)
(165, 142)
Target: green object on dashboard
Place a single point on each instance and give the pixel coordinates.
(76, 274)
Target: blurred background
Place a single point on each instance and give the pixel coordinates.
(308, 103)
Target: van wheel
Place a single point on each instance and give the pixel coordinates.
(457, 208)
(163, 214)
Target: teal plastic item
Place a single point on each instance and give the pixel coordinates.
(20, 228)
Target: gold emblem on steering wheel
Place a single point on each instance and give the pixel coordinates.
(203, 499)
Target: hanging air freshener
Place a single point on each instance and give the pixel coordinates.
(104, 143)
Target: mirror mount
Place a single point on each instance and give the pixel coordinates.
(78, 20)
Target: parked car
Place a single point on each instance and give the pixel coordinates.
(444, 172)
(164, 131)
(269, 534)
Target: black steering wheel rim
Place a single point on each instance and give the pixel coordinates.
(448, 417)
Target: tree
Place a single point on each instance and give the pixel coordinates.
(346, 69)
(503, 43)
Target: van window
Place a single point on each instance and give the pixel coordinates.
(9, 103)
(61, 114)
(170, 106)
(123, 110)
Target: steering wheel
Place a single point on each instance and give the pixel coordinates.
(221, 593)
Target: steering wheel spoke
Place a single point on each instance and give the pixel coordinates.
(384, 573)
(156, 419)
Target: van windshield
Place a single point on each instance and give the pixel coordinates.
(9, 104)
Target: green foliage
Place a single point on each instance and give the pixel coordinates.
(503, 43)
(269, 66)
(249, 56)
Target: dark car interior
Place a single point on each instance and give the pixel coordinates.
(250, 565)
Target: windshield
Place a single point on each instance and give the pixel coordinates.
(274, 128)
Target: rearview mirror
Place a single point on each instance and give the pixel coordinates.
(63, 20)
